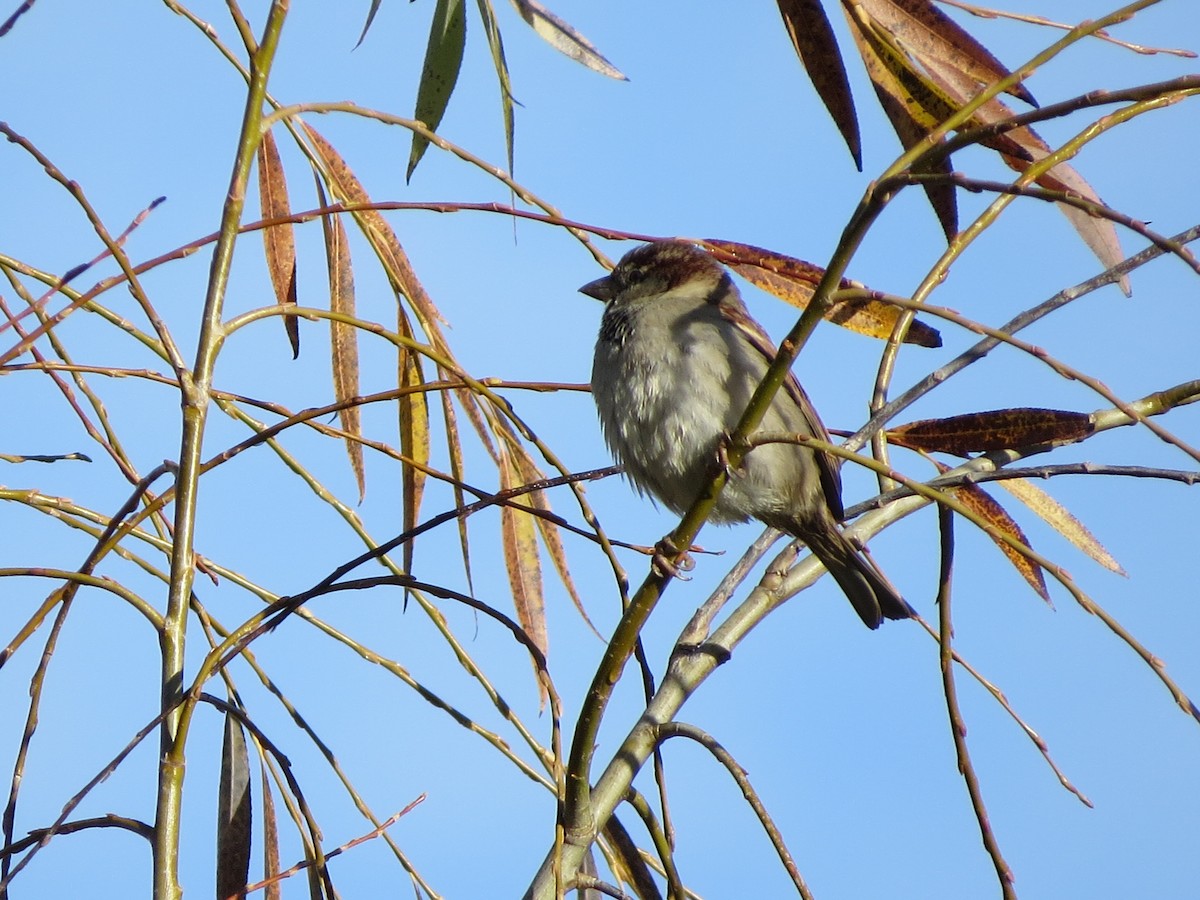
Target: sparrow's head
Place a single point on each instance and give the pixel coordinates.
(651, 270)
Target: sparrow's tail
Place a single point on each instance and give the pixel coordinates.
(869, 592)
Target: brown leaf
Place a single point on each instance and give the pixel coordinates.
(1057, 516)
(343, 338)
(346, 187)
(519, 539)
(794, 281)
(278, 240)
(998, 429)
(270, 839)
(816, 45)
(913, 108)
(983, 505)
(924, 68)
(935, 39)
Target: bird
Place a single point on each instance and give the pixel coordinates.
(677, 360)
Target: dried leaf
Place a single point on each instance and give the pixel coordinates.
(794, 281)
(937, 41)
(562, 37)
(1057, 516)
(997, 429)
(343, 338)
(270, 840)
(457, 470)
(816, 45)
(346, 187)
(983, 505)
(1100, 235)
(496, 44)
(519, 539)
(414, 432)
(924, 68)
(914, 109)
(549, 531)
(233, 813)
(278, 240)
(443, 59)
(627, 859)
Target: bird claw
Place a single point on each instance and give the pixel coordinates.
(730, 470)
(670, 561)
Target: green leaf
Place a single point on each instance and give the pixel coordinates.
(233, 813)
(367, 25)
(492, 29)
(443, 59)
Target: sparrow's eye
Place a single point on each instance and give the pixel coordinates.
(635, 276)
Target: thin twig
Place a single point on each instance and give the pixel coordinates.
(958, 727)
(724, 757)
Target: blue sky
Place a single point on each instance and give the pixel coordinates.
(716, 134)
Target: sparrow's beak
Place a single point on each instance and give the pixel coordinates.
(601, 289)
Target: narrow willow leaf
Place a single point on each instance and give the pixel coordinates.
(343, 338)
(458, 471)
(794, 281)
(367, 25)
(278, 240)
(414, 432)
(1100, 235)
(912, 108)
(562, 37)
(936, 40)
(997, 429)
(983, 505)
(346, 187)
(470, 404)
(233, 813)
(1019, 148)
(443, 59)
(496, 44)
(817, 47)
(549, 532)
(1057, 516)
(273, 891)
(519, 539)
(924, 68)
(627, 859)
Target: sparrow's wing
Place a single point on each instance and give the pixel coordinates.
(831, 475)
(829, 465)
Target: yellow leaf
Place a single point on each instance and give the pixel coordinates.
(549, 531)
(1054, 513)
(414, 432)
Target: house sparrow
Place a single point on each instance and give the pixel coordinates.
(677, 361)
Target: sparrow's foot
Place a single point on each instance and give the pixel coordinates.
(723, 445)
(669, 560)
